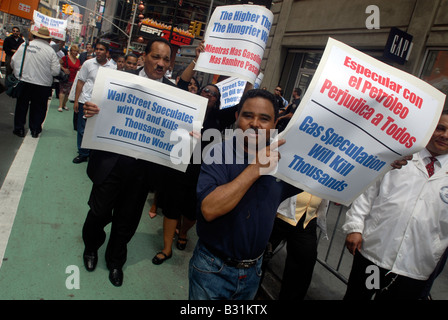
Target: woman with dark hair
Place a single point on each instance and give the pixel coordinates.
(194, 85)
(181, 213)
(183, 185)
(215, 117)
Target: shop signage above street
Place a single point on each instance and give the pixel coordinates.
(22, 8)
(179, 37)
(398, 46)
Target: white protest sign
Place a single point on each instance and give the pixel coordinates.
(258, 80)
(57, 27)
(356, 118)
(235, 40)
(143, 118)
(231, 90)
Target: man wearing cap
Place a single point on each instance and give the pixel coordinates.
(40, 66)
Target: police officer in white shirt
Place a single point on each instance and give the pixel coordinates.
(399, 225)
(41, 64)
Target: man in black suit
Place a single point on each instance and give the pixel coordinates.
(89, 51)
(120, 183)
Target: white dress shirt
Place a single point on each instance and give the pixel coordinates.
(41, 63)
(87, 74)
(403, 218)
(143, 74)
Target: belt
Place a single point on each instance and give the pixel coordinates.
(239, 264)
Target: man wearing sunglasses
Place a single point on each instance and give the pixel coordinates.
(211, 92)
(282, 102)
(10, 45)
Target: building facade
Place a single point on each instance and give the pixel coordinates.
(301, 30)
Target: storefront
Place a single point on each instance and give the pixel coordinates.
(301, 30)
(435, 69)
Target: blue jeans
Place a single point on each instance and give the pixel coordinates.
(211, 279)
(80, 128)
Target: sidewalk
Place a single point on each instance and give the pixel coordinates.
(45, 243)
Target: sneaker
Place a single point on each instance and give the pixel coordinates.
(65, 108)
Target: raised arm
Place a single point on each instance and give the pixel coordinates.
(189, 71)
(225, 197)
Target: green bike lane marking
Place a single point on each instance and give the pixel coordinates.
(43, 254)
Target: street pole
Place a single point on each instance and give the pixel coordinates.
(132, 26)
(209, 13)
(93, 27)
(174, 20)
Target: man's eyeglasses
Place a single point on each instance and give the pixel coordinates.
(210, 92)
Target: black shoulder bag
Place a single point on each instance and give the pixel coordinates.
(63, 77)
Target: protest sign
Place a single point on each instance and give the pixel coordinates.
(231, 90)
(258, 80)
(57, 27)
(143, 118)
(356, 118)
(235, 40)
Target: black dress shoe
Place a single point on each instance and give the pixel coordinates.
(80, 159)
(90, 260)
(35, 134)
(19, 132)
(116, 277)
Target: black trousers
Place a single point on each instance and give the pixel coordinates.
(8, 65)
(34, 98)
(119, 200)
(301, 247)
(391, 285)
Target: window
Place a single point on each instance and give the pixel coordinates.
(298, 71)
(435, 70)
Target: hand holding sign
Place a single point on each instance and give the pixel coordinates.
(235, 41)
(398, 164)
(90, 109)
(357, 120)
(267, 159)
(142, 118)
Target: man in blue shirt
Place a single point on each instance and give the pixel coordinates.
(237, 204)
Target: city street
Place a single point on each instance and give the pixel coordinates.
(9, 144)
(46, 214)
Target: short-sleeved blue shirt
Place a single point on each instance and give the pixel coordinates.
(244, 232)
